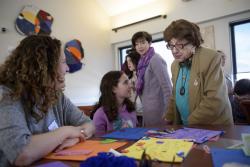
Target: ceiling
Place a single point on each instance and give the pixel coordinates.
(116, 7)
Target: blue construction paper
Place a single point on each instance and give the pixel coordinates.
(129, 133)
(222, 156)
(196, 135)
(53, 164)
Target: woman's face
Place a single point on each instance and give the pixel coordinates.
(62, 69)
(123, 88)
(142, 46)
(181, 49)
(130, 64)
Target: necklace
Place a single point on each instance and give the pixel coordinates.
(183, 82)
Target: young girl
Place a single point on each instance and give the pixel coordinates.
(114, 109)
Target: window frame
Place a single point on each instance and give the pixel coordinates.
(234, 56)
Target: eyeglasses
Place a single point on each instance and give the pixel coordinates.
(176, 46)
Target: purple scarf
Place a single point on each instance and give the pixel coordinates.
(141, 68)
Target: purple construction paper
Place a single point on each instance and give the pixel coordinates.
(196, 135)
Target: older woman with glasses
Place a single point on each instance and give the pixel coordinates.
(199, 88)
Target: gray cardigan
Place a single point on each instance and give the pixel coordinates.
(156, 92)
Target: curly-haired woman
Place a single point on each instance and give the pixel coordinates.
(36, 118)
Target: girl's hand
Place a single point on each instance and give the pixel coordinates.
(125, 125)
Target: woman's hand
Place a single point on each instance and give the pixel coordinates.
(71, 132)
(74, 135)
(67, 143)
(168, 122)
(87, 129)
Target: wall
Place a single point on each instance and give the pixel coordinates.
(222, 35)
(175, 10)
(81, 19)
(214, 12)
(85, 20)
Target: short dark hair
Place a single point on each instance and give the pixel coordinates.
(242, 87)
(183, 29)
(141, 34)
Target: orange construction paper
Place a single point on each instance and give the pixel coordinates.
(94, 145)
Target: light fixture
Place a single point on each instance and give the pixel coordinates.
(151, 18)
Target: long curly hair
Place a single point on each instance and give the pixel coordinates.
(31, 72)
(108, 99)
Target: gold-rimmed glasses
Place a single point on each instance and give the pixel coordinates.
(177, 46)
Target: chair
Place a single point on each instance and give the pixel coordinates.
(86, 109)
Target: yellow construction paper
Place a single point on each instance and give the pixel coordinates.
(159, 149)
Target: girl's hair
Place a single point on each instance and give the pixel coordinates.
(108, 99)
(31, 72)
(183, 29)
(135, 57)
(242, 87)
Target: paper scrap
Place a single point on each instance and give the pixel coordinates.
(73, 152)
(105, 141)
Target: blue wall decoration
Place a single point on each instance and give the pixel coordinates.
(74, 53)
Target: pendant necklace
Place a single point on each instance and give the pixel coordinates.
(182, 89)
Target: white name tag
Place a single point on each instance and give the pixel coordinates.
(53, 126)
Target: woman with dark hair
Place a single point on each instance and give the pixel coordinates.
(153, 83)
(114, 109)
(199, 87)
(130, 65)
(241, 93)
(242, 87)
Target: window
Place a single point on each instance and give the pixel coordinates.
(160, 48)
(240, 37)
